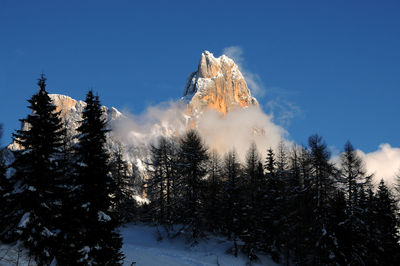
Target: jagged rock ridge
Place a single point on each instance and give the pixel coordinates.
(217, 84)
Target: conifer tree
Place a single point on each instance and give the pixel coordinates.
(34, 196)
(352, 179)
(352, 172)
(192, 166)
(252, 204)
(68, 191)
(301, 166)
(123, 203)
(98, 240)
(322, 178)
(270, 162)
(338, 217)
(162, 183)
(387, 238)
(212, 195)
(270, 191)
(232, 202)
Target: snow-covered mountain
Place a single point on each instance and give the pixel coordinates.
(217, 85)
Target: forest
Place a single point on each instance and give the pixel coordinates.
(64, 197)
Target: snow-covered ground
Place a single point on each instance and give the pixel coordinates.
(148, 245)
(141, 246)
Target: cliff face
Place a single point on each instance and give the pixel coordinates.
(218, 85)
(71, 114)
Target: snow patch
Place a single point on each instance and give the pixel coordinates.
(102, 217)
(141, 200)
(24, 220)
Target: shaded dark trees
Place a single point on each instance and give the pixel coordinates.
(35, 203)
(65, 196)
(98, 240)
(58, 199)
(192, 170)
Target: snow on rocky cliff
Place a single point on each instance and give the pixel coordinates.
(217, 84)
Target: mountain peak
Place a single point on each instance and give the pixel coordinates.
(217, 84)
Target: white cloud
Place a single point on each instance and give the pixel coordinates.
(285, 111)
(163, 119)
(383, 163)
(253, 80)
(238, 129)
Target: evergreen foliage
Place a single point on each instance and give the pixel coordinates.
(193, 159)
(64, 196)
(123, 203)
(34, 198)
(98, 240)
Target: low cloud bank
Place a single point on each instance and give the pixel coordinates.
(383, 163)
(236, 130)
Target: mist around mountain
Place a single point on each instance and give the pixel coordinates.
(211, 165)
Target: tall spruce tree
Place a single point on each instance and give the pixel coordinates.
(123, 202)
(352, 179)
(192, 165)
(232, 203)
(212, 195)
(98, 240)
(34, 196)
(251, 208)
(270, 191)
(322, 189)
(387, 238)
(68, 188)
(162, 181)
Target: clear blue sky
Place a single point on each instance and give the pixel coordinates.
(338, 61)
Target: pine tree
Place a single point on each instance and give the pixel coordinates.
(68, 191)
(322, 174)
(123, 203)
(98, 240)
(232, 202)
(192, 166)
(387, 238)
(212, 195)
(34, 197)
(252, 205)
(352, 179)
(270, 163)
(269, 219)
(338, 224)
(353, 174)
(304, 198)
(162, 187)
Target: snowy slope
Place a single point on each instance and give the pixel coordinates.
(141, 247)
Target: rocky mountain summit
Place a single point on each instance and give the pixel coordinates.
(217, 84)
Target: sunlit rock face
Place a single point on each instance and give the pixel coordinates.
(218, 85)
(71, 114)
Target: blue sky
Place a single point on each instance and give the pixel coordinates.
(336, 62)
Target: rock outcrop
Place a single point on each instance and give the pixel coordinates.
(217, 84)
